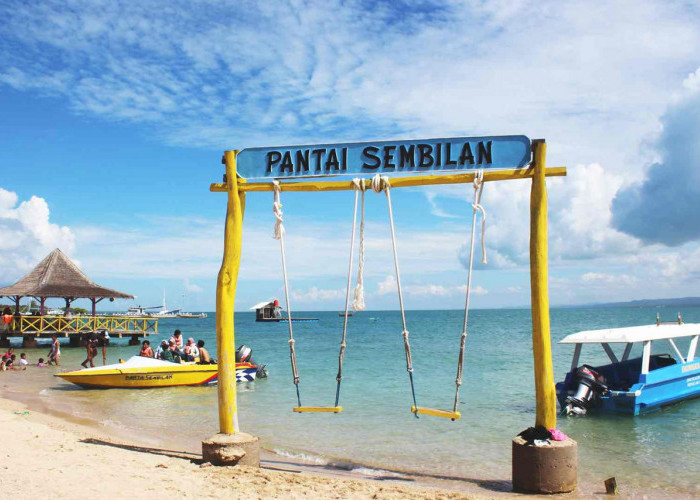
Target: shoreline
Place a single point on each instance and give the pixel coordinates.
(62, 454)
(300, 463)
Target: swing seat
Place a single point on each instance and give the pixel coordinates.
(422, 410)
(318, 409)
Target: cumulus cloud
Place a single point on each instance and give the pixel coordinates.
(191, 287)
(315, 294)
(388, 285)
(27, 235)
(664, 208)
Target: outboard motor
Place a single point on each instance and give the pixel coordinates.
(244, 354)
(591, 384)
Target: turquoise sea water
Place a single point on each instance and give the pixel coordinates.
(376, 427)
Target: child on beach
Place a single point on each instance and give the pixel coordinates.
(23, 359)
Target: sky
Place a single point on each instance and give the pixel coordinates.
(114, 117)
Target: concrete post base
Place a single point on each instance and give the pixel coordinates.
(545, 469)
(134, 340)
(232, 449)
(4, 341)
(29, 342)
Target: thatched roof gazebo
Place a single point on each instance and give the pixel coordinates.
(58, 276)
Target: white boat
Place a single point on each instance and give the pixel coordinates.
(632, 386)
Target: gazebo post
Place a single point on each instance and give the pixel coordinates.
(42, 302)
(94, 303)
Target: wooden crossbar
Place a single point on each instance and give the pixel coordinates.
(422, 410)
(318, 409)
(409, 181)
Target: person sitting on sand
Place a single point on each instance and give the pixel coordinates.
(55, 352)
(23, 359)
(191, 350)
(204, 358)
(161, 348)
(41, 363)
(171, 354)
(146, 350)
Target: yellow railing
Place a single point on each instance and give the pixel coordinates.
(39, 325)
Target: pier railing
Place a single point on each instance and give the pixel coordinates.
(48, 325)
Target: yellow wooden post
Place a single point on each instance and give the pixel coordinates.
(225, 299)
(546, 414)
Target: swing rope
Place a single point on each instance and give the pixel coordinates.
(478, 189)
(358, 303)
(380, 184)
(279, 235)
(358, 185)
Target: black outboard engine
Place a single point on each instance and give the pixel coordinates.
(244, 354)
(591, 384)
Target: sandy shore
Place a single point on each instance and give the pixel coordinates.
(49, 457)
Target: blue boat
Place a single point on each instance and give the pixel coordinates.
(632, 386)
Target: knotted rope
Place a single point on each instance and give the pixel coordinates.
(341, 356)
(358, 303)
(478, 189)
(380, 184)
(279, 235)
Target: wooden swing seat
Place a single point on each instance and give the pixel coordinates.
(318, 409)
(422, 410)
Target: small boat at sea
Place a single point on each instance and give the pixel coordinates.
(632, 386)
(141, 372)
(343, 313)
(271, 312)
(191, 315)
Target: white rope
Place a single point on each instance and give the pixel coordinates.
(279, 235)
(358, 303)
(478, 189)
(277, 210)
(341, 355)
(380, 184)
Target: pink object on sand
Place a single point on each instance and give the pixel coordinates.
(558, 435)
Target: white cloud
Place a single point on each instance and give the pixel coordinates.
(388, 285)
(191, 287)
(27, 235)
(315, 294)
(692, 82)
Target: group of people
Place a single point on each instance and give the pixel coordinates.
(9, 361)
(176, 350)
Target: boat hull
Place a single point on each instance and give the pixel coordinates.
(655, 390)
(158, 376)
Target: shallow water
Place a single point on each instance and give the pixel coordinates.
(376, 427)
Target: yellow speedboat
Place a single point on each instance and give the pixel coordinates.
(138, 372)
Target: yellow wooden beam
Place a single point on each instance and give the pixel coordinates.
(225, 300)
(545, 392)
(318, 184)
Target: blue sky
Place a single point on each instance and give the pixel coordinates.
(115, 115)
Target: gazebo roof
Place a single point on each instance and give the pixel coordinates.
(58, 276)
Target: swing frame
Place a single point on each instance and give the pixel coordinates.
(236, 187)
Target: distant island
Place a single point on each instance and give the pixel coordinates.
(677, 302)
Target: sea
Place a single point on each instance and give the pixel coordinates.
(376, 430)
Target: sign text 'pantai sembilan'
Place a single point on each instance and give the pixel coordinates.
(426, 155)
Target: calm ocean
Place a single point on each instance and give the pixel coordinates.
(376, 427)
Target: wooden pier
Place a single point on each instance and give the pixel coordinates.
(30, 328)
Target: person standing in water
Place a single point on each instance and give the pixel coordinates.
(55, 352)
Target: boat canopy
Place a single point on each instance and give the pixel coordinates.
(633, 334)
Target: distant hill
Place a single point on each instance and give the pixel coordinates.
(678, 302)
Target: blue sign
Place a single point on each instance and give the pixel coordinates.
(386, 157)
